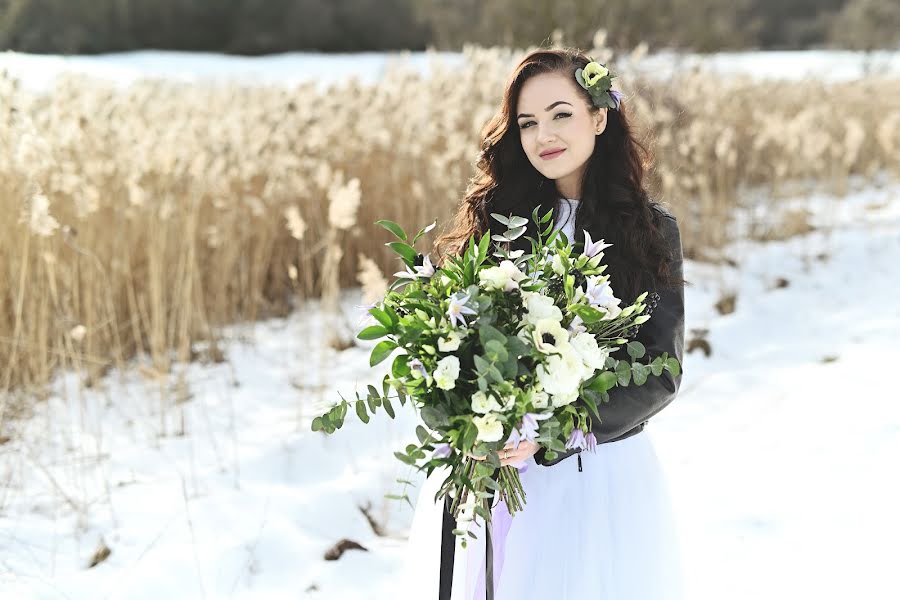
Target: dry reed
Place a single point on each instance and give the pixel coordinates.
(138, 221)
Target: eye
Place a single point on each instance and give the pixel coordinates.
(528, 124)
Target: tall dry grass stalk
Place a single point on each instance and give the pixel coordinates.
(138, 221)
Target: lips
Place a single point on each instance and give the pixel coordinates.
(552, 153)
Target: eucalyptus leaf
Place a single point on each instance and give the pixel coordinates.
(361, 411)
(636, 350)
(501, 218)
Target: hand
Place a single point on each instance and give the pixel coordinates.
(510, 455)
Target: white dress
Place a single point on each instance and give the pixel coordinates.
(606, 532)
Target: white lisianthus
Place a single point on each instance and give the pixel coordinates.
(549, 336)
(446, 372)
(539, 399)
(611, 313)
(508, 403)
(483, 403)
(451, 342)
(564, 398)
(562, 373)
(557, 265)
(540, 307)
(489, 428)
(504, 277)
(590, 352)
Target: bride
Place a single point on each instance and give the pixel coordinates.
(596, 524)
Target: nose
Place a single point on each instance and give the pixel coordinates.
(545, 134)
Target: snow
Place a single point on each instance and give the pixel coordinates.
(39, 71)
(780, 449)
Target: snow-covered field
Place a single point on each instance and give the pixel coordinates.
(781, 449)
(38, 72)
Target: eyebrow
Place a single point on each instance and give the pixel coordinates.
(558, 102)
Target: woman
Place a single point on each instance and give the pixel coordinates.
(599, 525)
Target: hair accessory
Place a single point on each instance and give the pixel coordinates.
(597, 80)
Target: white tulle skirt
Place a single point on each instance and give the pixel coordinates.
(606, 532)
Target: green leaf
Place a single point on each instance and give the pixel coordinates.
(381, 351)
(423, 435)
(317, 424)
(590, 399)
(406, 458)
(588, 314)
(496, 350)
(514, 233)
(435, 417)
(388, 408)
(400, 367)
(605, 381)
(483, 247)
(469, 435)
(639, 373)
(673, 366)
(656, 367)
(393, 228)
(407, 252)
(424, 230)
(636, 350)
(361, 411)
(547, 216)
(372, 333)
(486, 333)
(501, 218)
(381, 316)
(623, 373)
(517, 221)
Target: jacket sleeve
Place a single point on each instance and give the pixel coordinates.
(633, 405)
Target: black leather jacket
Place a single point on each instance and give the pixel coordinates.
(630, 407)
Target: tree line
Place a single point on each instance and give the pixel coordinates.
(268, 26)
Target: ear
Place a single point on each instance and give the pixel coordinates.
(600, 121)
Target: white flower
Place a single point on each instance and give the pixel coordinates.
(590, 352)
(600, 293)
(446, 372)
(467, 509)
(539, 399)
(564, 398)
(505, 277)
(549, 336)
(482, 403)
(562, 373)
(508, 403)
(592, 248)
(489, 428)
(450, 343)
(577, 325)
(557, 265)
(457, 309)
(540, 307)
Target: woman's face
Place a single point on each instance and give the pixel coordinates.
(557, 129)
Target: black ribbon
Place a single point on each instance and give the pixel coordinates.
(448, 553)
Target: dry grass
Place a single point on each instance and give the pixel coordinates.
(138, 221)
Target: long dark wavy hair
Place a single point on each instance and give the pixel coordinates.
(613, 198)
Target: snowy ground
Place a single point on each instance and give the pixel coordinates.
(781, 449)
(37, 71)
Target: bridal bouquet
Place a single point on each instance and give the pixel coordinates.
(497, 347)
